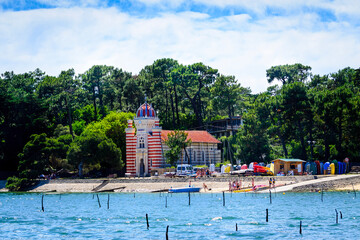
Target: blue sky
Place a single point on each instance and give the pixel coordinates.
(239, 37)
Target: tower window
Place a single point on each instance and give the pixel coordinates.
(141, 142)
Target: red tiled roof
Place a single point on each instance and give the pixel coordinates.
(195, 136)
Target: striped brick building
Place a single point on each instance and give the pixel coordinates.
(145, 145)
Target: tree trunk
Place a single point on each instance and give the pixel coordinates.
(173, 111)
(327, 148)
(94, 102)
(338, 145)
(302, 141)
(231, 122)
(176, 106)
(81, 169)
(283, 145)
(166, 107)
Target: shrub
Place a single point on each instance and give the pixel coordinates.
(15, 184)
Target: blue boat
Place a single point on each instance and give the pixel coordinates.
(185, 189)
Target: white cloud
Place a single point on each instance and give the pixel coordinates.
(58, 39)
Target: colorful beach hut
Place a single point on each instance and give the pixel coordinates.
(287, 166)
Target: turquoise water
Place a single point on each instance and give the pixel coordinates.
(78, 216)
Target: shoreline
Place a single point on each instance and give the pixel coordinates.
(308, 183)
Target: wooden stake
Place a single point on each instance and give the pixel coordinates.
(97, 195)
(108, 202)
(166, 201)
(236, 227)
(270, 196)
(167, 230)
(189, 197)
(42, 203)
(267, 215)
(224, 199)
(322, 195)
(147, 221)
(340, 215)
(354, 189)
(337, 217)
(300, 227)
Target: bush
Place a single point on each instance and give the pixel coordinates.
(15, 184)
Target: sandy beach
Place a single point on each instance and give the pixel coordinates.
(218, 184)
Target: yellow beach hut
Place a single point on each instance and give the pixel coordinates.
(288, 166)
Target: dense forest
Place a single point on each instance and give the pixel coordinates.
(76, 121)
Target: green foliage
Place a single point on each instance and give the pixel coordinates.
(288, 73)
(43, 155)
(15, 184)
(177, 142)
(252, 141)
(79, 127)
(102, 144)
(304, 108)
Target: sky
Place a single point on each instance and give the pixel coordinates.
(242, 38)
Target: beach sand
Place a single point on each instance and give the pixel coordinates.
(215, 185)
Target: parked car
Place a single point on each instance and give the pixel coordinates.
(184, 169)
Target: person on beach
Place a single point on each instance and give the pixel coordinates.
(205, 187)
(190, 183)
(273, 182)
(270, 182)
(229, 185)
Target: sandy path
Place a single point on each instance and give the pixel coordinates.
(315, 181)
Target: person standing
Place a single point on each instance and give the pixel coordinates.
(270, 182)
(273, 181)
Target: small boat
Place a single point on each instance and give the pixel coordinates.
(185, 189)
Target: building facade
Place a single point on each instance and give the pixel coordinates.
(145, 144)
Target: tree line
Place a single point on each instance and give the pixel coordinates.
(77, 121)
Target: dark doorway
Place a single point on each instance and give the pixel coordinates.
(142, 167)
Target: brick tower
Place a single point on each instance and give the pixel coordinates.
(143, 145)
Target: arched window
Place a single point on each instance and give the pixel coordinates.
(141, 142)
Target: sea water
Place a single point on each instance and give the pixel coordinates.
(79, 216)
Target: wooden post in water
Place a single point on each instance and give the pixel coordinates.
(166, 201)
(236, 227)
(224, 199)
(42, 203)
(322, 195)
(189, 197)
(337, 217)
(134, 195)
(147, 221)
(167, 230)
(97, 195)
(300, 227)
(108, 202)
(340, 215)
(93, 196)
(270, 196)
(267, 215)
(354, 189)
